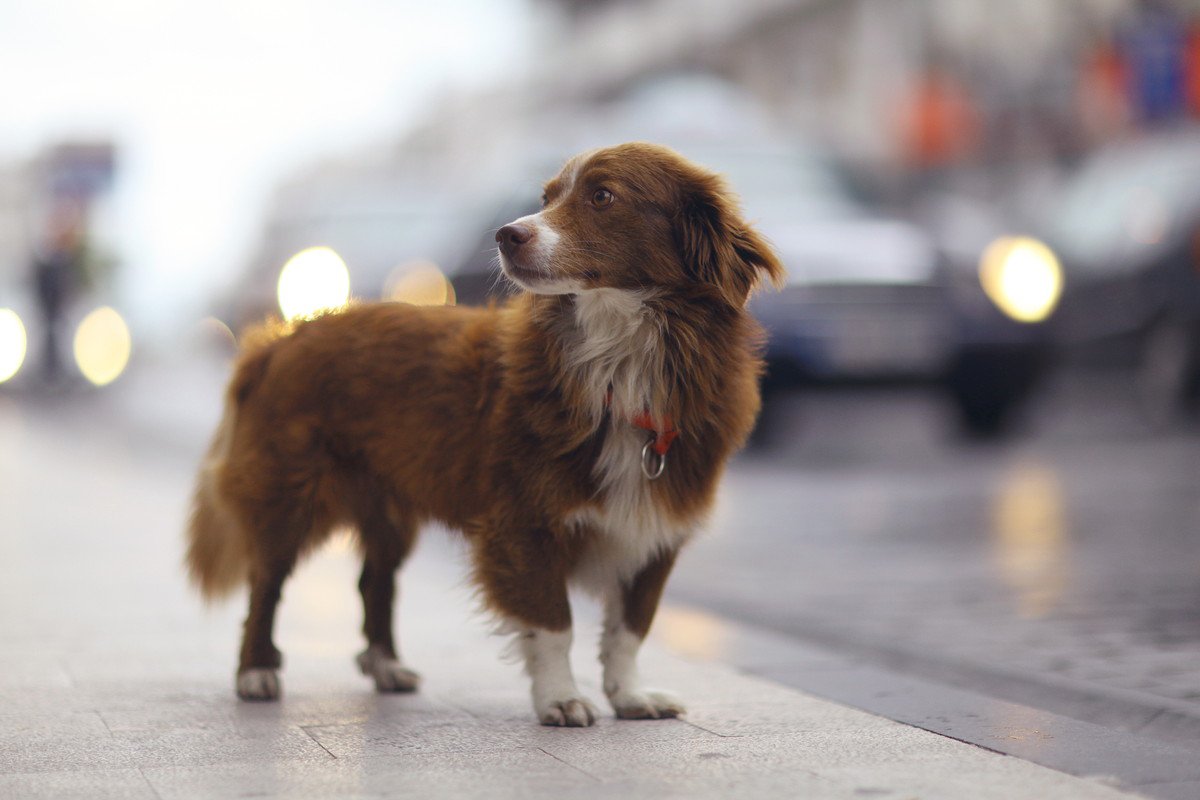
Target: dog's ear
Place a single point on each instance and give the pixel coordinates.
(718, 247)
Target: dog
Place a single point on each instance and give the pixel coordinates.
(575, 434)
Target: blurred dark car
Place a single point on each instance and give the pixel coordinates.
(384, 218)
(867, 300)
(1126, 227)
(871, 299)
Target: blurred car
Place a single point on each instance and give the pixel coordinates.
(381, 217)
(1126, 227)
(867, 297)
(870, 298)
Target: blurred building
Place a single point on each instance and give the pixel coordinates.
(907, 90)
(16, 182)
(894, 84)
(856, 72)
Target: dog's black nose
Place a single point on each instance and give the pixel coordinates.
(512, 236)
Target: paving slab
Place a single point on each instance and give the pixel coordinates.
(501, 774)
(103, 784)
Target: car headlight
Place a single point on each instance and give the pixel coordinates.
(1022, 277)
(102, 346)
(312, 281)
(12, 343)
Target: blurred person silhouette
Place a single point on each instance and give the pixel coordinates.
(59, 266)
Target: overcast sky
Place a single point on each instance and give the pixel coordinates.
(211, 102)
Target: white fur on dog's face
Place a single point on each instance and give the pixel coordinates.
(533, 266)
(533, 270)
(586, 235)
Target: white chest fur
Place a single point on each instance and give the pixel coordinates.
(620, 347)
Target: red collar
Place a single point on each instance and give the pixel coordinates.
(663, 437)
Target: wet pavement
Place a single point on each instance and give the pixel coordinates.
(1036, 596)
(1059, 568)
(115, 680)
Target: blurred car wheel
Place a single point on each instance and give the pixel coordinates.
(1168, 377)
(987, 385)
(771, 417)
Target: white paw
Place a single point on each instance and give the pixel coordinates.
(647, 704)
(260, 683)
(388, 673)
(571, 712)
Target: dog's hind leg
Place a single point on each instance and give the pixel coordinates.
(281, 537)
(260, 660)
(387, 540)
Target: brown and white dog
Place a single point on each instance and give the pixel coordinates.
(575, 435)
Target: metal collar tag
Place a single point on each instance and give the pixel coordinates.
(654, 463)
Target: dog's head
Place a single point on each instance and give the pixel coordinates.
(636, 216)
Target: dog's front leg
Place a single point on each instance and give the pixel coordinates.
(628, 611)
(556, 698)
(523, 577)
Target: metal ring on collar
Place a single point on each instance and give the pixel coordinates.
(653, 463)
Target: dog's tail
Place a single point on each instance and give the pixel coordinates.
(216, 555)
(218, 549)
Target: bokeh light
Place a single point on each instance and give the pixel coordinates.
(102, 346)
(1022, 277)
(1030, 532)
(12, 344)
(314, 280)
(693, 633)
(420, 283)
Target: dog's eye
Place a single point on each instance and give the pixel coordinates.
(602, 197)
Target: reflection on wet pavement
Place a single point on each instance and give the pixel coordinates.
(692, 634)
(1031, 547)
(1066, 559)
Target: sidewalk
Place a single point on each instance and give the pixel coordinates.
(116, 682)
